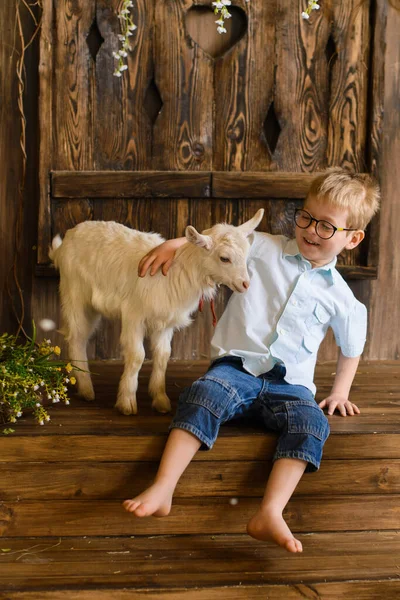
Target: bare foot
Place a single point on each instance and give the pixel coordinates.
(269, 525)
(156, 501)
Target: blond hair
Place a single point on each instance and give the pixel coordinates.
(357, 193)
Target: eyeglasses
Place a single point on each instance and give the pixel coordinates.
(323, 229)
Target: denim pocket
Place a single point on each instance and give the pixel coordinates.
(213, 394)
(305, 417)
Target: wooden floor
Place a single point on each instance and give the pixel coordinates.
(65, 535)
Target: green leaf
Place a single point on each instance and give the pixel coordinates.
(8, 431)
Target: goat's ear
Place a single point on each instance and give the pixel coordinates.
(248, 227)
(198, 239)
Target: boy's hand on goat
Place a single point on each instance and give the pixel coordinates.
(161, 256)
(341, 403)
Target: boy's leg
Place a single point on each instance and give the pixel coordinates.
(156, 500)
(268, 523)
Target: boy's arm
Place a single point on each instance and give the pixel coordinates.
(160, 256)
(339, 397)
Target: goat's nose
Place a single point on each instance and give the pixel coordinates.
(246, 284)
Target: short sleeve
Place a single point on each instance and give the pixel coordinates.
(350, 330)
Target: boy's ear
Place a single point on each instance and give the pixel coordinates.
(355, 239)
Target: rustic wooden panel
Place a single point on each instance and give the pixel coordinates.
(194, 516)
(239, 479)
(73, 134)
(196, 561)
(384, 304)
(122, 125)
(148, 184)
(244, 80)
(182, 134)
(301, 88)
(362, 590)
(349, 85)
(46, 156)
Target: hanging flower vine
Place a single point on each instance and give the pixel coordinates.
(127, 29)
(223, 13)
(312, 5)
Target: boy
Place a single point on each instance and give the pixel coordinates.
(265, 348)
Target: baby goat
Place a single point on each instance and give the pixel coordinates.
(98, 263)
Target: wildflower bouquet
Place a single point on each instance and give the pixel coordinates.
(31, 377)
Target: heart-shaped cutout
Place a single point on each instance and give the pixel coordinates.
(202, 28)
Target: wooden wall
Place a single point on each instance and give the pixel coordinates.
(381, 296)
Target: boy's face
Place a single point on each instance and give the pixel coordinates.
(320, 251)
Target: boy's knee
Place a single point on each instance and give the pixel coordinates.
(210, 394)
(305, 417)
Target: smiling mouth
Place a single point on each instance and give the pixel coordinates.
(310, 243)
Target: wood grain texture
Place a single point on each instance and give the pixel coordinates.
(349, 85)
(73, 132)
(182, 133)
(243, 87)
(233, 479)
(195, 516)
(195, 561)
(362, 590)
(122, 127)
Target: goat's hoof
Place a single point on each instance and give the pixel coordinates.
(126, 407)
(161, 404)
(87, 395)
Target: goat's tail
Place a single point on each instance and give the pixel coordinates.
(55, 244)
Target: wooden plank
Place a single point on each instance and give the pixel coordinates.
(243, 87)
(127, 184)
(259, 184)
(349, 85)
(193, 516)
(120, 480)
(46, 156)
(301, 88)
(362, 590)
(195, 561)
(122, 126)
(183, 131)
(385, 292)
(73, 136)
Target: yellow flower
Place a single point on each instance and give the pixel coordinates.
(57, 350)
(68, 368)
(73, 380)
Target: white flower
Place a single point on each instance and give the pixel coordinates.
(66, 380)
(121, 38)
(123, 53)
(25, 390)
(227, 15)
(123, 67)
(47, 418)
(315, 7)
(221, 29)
(220, 22)
(132, 27)
(67, 402)
(19, 414)
(35, 387)
(305, 15)
(115, 55)
(217, 4)
(47, 324)
(41, 422)
(49, 397)
(226, 2)
(42, 383)
(65, 389)
(37, 403)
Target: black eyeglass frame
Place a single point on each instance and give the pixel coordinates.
(335, 229)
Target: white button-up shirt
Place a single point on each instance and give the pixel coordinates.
(284, 315)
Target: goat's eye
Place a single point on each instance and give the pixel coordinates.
(224, 259)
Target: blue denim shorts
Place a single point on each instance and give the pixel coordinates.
(227, 391)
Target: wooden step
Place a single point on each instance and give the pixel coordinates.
(184, 562)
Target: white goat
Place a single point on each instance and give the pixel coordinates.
(98, 263)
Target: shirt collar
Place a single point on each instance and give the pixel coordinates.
(291, 249)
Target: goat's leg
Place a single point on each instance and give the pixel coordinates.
(132, 335)
(79, 324)
(161, 348)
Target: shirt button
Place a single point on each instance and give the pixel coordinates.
(283, 331)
